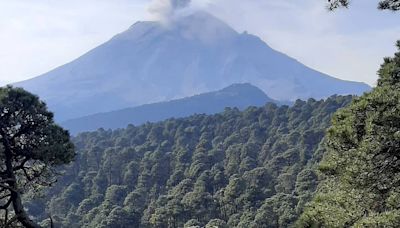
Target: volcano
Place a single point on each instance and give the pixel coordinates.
(198, 53)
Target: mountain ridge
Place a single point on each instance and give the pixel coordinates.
(151, 63)
(238, 96)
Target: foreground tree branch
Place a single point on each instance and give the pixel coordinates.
(393, 5)
(31, 145)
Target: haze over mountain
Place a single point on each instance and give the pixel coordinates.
(151, 62)
(239, 96)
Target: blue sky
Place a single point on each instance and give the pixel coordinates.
(37, 36)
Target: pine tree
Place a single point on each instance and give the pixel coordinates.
(31, 146)
(361, 168)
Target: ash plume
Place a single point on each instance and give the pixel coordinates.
(167, 11)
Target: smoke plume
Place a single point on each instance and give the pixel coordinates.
(167, 11)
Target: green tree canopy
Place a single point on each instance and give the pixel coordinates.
(232, 169)
(361, 169)
(31, 146)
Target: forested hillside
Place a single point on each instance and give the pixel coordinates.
(249, 168)
(236, 95)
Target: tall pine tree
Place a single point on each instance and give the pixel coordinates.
(361, 170)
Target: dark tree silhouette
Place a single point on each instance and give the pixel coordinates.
(31, 146)
(393, 5)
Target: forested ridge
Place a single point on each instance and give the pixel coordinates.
(251, 168)
(237, 95)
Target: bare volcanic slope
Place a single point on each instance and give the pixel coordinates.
(198, 53)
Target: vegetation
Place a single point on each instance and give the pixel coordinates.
(361, 185)
(31, 146)
(236, 95)
(253, 168)
(233, 169)
(393, 5)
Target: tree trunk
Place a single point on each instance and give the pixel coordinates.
(51, 222)
(19, 210)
